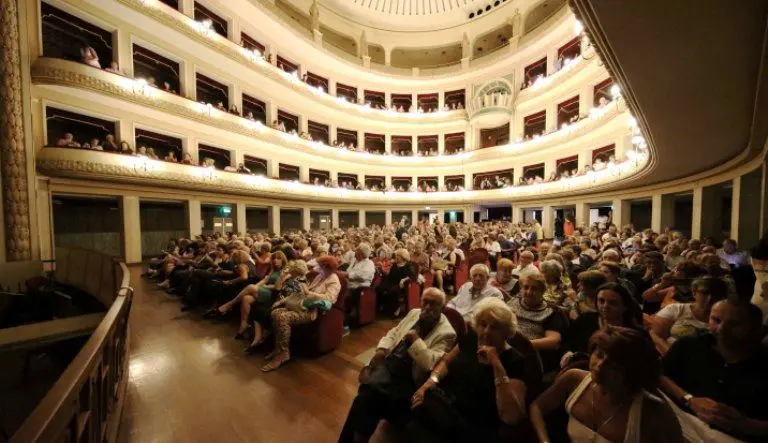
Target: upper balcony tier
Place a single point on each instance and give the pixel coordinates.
(80, 77)
(278, 37)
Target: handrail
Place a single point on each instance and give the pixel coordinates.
(85, 396)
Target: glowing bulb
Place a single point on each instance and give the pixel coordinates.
(615, 91)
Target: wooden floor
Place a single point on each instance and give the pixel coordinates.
(190, 381)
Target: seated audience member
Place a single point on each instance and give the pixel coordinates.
(673, 257)
(187, 159)
(586, 297)
(390, 290)
(360, 274)
(731, 254)
(259, 293)
(613, 400)
(473, 291)
(525, 266)
(557, 293)
(113, 68)
(444, 265)
(109, 144)
(718, 378)
(612, 273)
(538, 322)
(95, 144)
(615, 307)
(68, 141)
(675, 286)
(90, 57)
(170, 157)
(151, 154)
(319, 295)
(477, 387)
(681, 319)
(504, 280)
(404, 358)
(126, 149)
(242, 169)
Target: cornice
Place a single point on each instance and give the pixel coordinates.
(100, 166)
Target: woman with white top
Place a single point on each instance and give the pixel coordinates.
(611, 402)
(681, 319)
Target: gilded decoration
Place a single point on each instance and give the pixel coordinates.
(12, 152)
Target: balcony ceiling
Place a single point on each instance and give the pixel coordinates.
(691, 71)
(410, 15)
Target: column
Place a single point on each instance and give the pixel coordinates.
(547, 221)
(234, 30)
(388, 143)
(273, 168)
(361, 218)
(387, 98)
(656, 210)
(582, 214)
(271, 113)
(241, 226)
(124, 54)
(239, 157)
(194, 218)
(129, 209)
(387, 181)
(623, 144)
(585, 158)
(414, 100)
(306, 218)
(304, 174)
(331, 87)
(361, 138)
(735, 207)
(387, 217)
(440, 100)
(415, 144)
(387, 57)
(441, 143)
(550, 165)
(440, 182)
(586, 99)
(332, 133)
(698, 197)
(335, 218)
(273, 219)
(303, 124)
(551, 58)
(188, 8)
(621, 212)
(551, 118)
(468, 183)
(188, 84)
(45, 225)
(517, 214)
(414, 216)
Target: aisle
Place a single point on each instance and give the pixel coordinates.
(191, 382)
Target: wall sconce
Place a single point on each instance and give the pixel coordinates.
(615, 91)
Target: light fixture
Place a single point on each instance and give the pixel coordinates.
(615, 91)
(632, 122)
(427, 208)
(578, 28)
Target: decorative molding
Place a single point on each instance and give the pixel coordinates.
(12, 152)
(96, 165)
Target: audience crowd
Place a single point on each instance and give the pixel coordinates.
(602, 334)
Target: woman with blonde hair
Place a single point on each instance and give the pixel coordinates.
(478, 386)
(391, 289)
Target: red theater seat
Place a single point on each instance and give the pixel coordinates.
(324, 334)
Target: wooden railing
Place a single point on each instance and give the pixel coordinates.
(85, 404)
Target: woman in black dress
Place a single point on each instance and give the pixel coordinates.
(390, 290)
(478, 386)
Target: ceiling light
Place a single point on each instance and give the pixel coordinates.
(578, 28)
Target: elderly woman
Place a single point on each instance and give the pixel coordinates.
(539, 322)
(504, 280)
(611, 401)
(478, 386)
(557, 292)
(260, 292)
(390, 290)
(680, 319)
(321, 294)
(444, 265)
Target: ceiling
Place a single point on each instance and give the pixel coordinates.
(692, 73)
(412, 15)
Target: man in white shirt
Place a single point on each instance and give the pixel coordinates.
(526, 265)
(471, 292)
(421, 338)
(731, 255)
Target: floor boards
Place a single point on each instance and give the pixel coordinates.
(190, 381)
